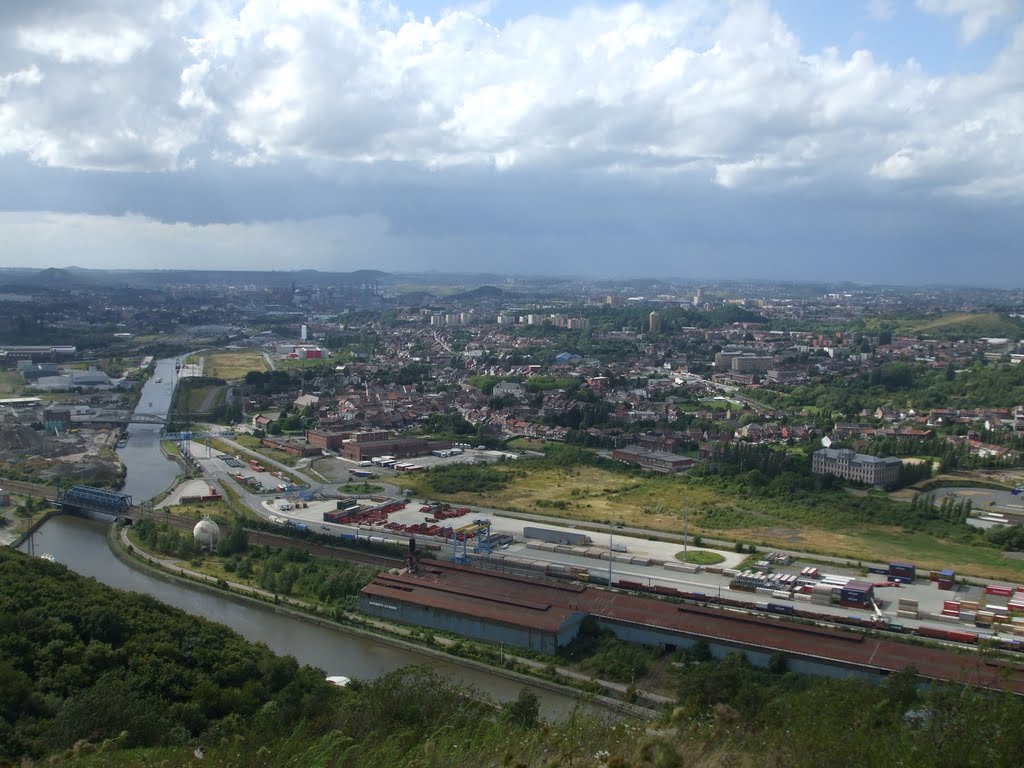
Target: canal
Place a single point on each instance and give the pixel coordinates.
(82, 546)
(149, 471)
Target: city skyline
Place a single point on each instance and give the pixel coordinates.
(877, 142)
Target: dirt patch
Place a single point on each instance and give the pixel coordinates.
(85, 457)
(333, 470)
(904, 494)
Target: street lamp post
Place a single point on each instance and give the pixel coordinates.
(686, 528)
(610, 529)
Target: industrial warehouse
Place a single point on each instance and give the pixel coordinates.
(543, 616)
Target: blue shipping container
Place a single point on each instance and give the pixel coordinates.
(902, 569)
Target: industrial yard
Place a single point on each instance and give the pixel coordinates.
(877, 597)
(826, 617)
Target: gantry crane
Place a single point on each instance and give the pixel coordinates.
(479, 531)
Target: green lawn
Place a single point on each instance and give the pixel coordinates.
(700, 557)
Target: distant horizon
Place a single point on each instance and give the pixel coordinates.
(530, 276)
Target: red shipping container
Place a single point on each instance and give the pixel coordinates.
(962, 637)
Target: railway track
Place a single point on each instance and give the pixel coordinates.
(29, 489)
(287, 542)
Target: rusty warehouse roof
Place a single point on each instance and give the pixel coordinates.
(506, 599)
(547, 606)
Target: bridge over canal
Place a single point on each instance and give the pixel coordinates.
(84, 498)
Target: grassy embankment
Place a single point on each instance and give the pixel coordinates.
(22, 513)
(329, 587)
(834, 523)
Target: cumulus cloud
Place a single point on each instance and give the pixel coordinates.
(721, 91)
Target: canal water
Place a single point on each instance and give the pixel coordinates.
(82, 546)
(149, 471)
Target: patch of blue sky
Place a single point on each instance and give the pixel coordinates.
(895, 31)
(907, 33)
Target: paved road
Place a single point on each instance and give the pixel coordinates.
(986, 499)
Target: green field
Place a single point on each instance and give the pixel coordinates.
(965, 325)
(833, 523)
(230, 365)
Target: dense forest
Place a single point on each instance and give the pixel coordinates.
(90, 676)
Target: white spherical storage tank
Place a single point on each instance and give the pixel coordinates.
(207, 533)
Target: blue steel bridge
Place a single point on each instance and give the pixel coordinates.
(83, 498)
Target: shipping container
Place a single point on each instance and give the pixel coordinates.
(903, 570)
(999, 590)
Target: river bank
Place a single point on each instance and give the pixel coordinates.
(379, 631)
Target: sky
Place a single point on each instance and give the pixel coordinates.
(880, 141)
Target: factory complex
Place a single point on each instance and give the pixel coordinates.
(535, 614)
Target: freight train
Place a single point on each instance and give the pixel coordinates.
(931, 633)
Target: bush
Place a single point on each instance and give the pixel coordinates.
(466, 478)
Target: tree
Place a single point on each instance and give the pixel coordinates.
(235, 541)
(524, 712)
